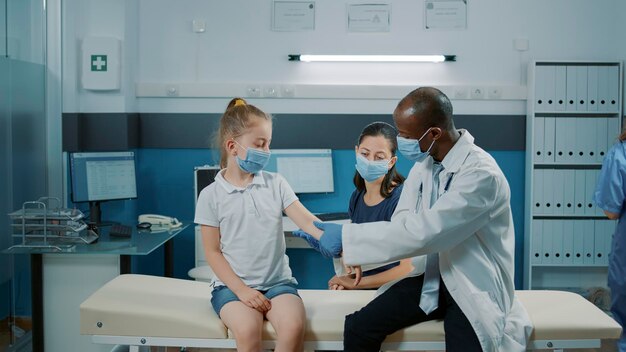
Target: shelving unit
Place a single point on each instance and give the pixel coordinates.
(574, 116)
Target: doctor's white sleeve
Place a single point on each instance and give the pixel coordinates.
(474, 198)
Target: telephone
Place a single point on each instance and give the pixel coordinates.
(160, 220)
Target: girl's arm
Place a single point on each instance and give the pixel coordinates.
(303, 218)
(220, 266)
(376, 280)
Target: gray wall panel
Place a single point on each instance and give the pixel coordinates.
(177, 130)
(334, 131)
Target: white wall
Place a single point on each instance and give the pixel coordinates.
(110, 18)
(239, 47)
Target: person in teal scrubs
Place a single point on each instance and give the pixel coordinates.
(610, 196)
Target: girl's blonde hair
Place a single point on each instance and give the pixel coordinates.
(236, 120)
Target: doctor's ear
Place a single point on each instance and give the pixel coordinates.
(436, 132)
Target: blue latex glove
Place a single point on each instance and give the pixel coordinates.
(330, 242)
(314, 243)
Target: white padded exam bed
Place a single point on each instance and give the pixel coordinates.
(140, 310)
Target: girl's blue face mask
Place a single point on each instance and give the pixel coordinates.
(371, 170)
(255, 161)
(411, 149)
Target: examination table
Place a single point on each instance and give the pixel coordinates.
(140, 310)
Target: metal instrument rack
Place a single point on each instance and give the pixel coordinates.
(39, 225)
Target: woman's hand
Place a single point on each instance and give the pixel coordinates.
(254, 299)
(345, 282)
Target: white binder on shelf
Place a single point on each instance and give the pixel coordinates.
(579, 242)
(560, 96)
(546, 242)
(599, 246)
(550, 82)
(557, 242)
(569, 191)
(601, 127)
(549, 136)
(570, 90)
(591, 177)
(568, 242)
(613, 89)
(603, 88)
(536, 240)
(570, 139)
(548, 189)
(581, 88)
(558, 191)
(538, 139)
(592, 88)
(579, 192)
(538, 199)
(540, 88)
(588, 242)
(590, 144)
(579, 145)
(560, 153)
(613, 130)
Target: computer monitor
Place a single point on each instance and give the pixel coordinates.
(102, 176)
(306, 170)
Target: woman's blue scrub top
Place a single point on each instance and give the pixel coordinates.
(610, 196)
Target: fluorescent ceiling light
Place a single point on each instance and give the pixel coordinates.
(372, 58)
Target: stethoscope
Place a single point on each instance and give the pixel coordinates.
(445, 189)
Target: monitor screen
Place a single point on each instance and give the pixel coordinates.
(306, 170)
(103, 176)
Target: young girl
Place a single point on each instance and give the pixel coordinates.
(241, 220)
(378, 187)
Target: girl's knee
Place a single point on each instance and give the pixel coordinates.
(247, 329)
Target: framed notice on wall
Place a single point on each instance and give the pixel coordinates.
(369, 17)
(293, 16)
(445, 14)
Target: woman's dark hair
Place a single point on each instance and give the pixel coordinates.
(622, 137)
(392, 178)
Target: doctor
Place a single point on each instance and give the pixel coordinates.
(454, 208)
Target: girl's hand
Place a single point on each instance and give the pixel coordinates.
(254, 299)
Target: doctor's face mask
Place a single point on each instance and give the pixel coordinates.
(411, 149)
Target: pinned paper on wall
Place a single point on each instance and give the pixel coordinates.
(293, 16)
(445, 14)
(369, 17)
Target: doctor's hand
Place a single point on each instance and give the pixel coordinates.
(254, 299)
(314, 243)
(330, 242)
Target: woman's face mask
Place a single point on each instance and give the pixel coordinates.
(411, 149)
(255, 161)
(371, 170)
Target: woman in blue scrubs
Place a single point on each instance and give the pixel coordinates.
(610, 196)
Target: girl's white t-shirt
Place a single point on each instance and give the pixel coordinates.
(250, 224)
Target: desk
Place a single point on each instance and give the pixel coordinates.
(62, 280)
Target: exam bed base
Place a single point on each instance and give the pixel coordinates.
(135, 342)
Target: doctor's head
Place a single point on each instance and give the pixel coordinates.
(244, 136)
(376, 158)
(425, 125)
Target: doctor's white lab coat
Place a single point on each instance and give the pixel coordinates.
(471, 226)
